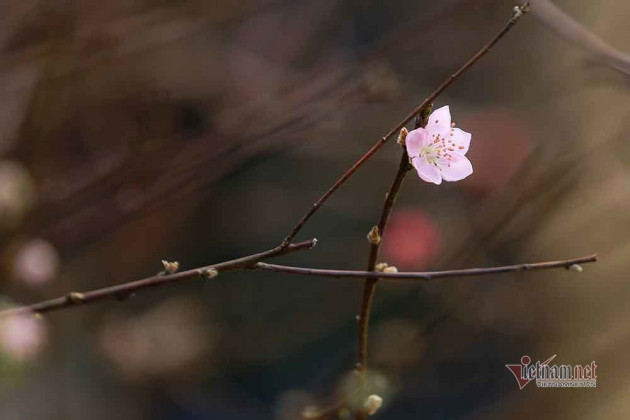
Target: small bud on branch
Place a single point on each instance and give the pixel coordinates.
(402, 136)
(170, 267)
(372, 404)
(210, 273)
(75, 297)
(373, 236)
(380, 267)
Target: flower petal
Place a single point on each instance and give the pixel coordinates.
(427, 171)
(415, 140)
(461, 140)
(439, 122)
(458, 168)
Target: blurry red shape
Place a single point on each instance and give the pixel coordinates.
(412, 240)
(501, 141)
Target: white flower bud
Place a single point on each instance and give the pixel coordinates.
(170, 267)
(381, 267)
(210, 273)
(372, 404)
(402, 136)
(373, 236)
(390, 269)
(75, 297)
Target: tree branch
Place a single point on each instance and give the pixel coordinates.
(426, 275)
(372, 278)
(124, 290)
(518, 13)
(375, 245)
(375, 238)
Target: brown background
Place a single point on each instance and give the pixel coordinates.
(200, 131)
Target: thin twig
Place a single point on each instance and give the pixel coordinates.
(332, 189)
(426, 275)
(124, 290)
(370, 281)
(518, 13)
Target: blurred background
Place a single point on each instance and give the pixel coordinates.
(199, 131)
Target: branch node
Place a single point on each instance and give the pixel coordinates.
(384, 268)
(424, 115)
(75, 297)
(517, 12)
(520, 11)
(373, 236)
(380, 267)
(170, 267)
(372, 404)
(209, 273)
(402, 136)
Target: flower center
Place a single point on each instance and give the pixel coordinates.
(430, 154)
(438, 152)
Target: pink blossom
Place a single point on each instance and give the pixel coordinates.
(437, 151)
(36, 262)
(22, 336)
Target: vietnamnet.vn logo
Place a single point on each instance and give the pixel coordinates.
(554, 376)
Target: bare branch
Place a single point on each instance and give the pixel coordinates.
(427, 275)
(124, 290)
(375, 246)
